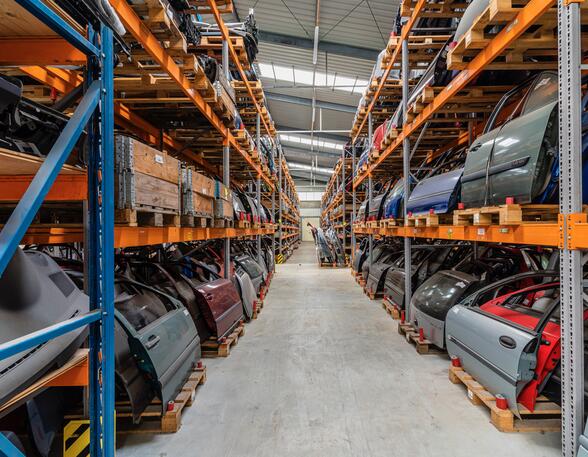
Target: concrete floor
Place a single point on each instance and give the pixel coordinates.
(323, 372)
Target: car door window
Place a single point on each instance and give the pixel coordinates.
(510, 108)
(543, 92)
(139, 306)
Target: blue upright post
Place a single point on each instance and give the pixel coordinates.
(94, 261)
(101, 251)
(107, 276)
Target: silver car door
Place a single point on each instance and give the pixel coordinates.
(498, 354)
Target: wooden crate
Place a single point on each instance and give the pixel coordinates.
(545, 418)
(147, 184)
(152, 419)
(213, 348)
(197, 198)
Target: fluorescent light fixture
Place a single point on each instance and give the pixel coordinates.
(303, 166)
(305, 78)
(315, 47)
(319, 144)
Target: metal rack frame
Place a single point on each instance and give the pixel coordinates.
(569, 234)
(95, 115)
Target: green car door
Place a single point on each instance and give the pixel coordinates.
(514, 155)
(162, 335)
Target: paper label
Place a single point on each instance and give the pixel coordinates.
(159, 158)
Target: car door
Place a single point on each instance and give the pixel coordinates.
(161, 333)
(473, 180)
(525, 148)
(499, 354)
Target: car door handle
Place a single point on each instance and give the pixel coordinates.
(152, 341)
(475, 148)
(507, 342)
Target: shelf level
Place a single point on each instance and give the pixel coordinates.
(138, 236)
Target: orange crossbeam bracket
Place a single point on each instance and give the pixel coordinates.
(39, 51)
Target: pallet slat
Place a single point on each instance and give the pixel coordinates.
(545, 418)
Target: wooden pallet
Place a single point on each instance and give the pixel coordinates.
(422, 50)
(391, 309)
(445, 9)
(538, 41)
(328, 264)
(387, 223)
(212, 46)
(423, 346)
(152, 419)
(508, 214)
(147, 217)
(428, 220)
(213, 348)
(243, 224)
(196, 221)
(371, 294)
(257, 309)
(223, 223)
(545, 418)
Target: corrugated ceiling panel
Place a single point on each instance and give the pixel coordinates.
(345, 21)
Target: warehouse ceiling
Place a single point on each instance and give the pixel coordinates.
(351, 34)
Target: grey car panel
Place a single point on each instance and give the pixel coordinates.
(433, 299)
(35, 293)
(501, 356)
(246, 291)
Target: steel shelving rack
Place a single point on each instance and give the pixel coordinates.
(47, 60)
(337, 203)
(569, 234)
(288, 214)
(94, 114)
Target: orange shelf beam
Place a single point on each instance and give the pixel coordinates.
(66, 80)
(39, 51)
(138, 236)
(66, 188)
(543, 234)
(526, 17)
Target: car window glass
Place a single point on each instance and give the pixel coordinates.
(544, 91)
(140, 306)
(509, 108)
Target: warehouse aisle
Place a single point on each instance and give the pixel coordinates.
(323, 373)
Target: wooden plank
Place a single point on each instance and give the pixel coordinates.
(14, 163)
(57, 377)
